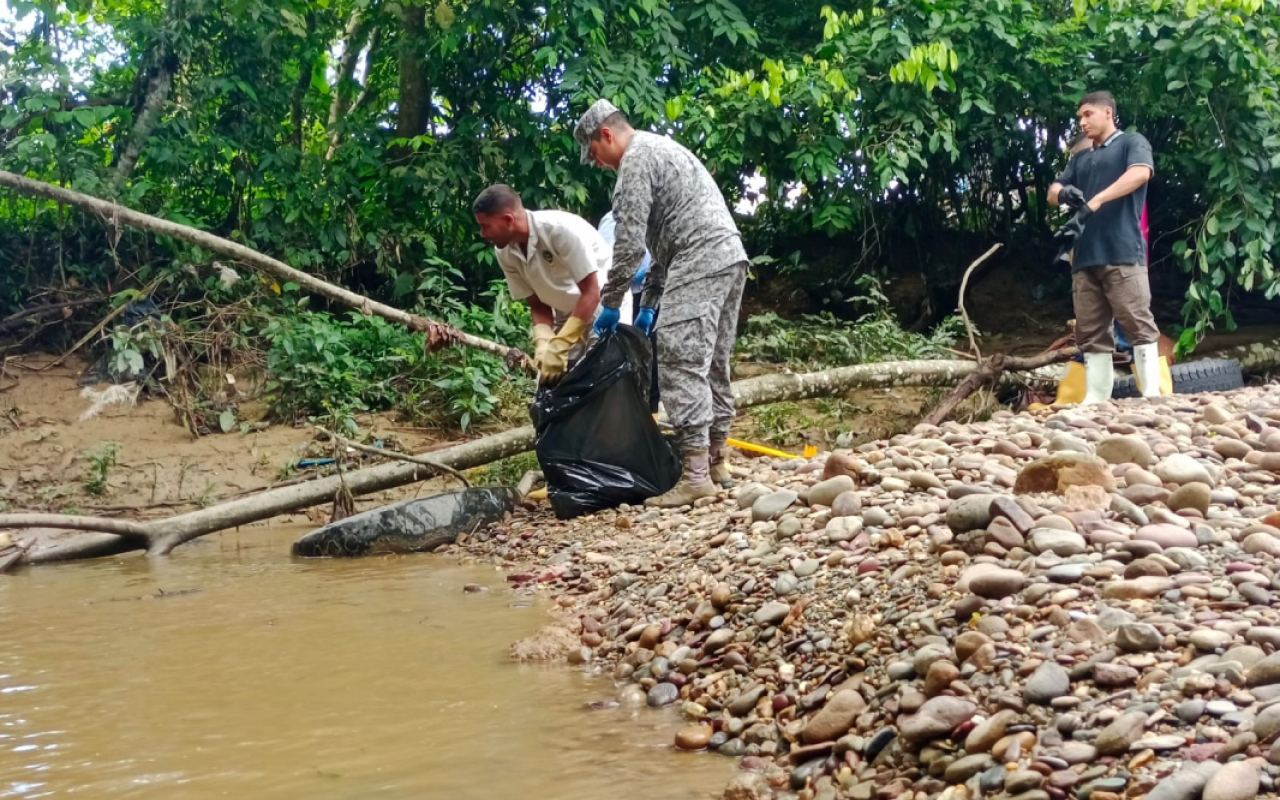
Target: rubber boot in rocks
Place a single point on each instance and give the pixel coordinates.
(720, 465)
(1100, 378)
(695, 483)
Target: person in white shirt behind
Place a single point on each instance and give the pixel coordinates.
(557, 261)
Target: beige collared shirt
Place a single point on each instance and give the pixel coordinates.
(563, 249)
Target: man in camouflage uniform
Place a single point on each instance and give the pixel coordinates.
(665, 197)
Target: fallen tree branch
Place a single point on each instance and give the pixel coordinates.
(438, 334)
(119, 527)
(990, 369)
(964, 284)
(14, 321)
(377, 451)
(163, 535)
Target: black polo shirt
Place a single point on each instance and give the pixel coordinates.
(1113, 234)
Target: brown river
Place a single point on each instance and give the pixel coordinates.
(234, 670)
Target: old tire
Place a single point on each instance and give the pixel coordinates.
(1191, 377)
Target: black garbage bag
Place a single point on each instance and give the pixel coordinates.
(597, 444)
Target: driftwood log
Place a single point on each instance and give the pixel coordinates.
(438, 334)
(160, 537)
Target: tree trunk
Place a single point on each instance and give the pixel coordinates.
(414, 104)
(438, 334)
(352, 43)
(145, 121)
(161, 536)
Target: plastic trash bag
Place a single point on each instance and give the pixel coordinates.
(597, 443)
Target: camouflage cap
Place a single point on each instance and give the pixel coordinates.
(589, 123)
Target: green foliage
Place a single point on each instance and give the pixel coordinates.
(101, 461)
(896, 128)
(817, 341)
(506, 472)
(334, 368)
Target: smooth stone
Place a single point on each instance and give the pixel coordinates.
(835, 719)
(1062, 543)
(694, 737)
(1238, 780)
(662, 694)
(986, 733)
(1166, 536)
(1183, 469)
(966, 767)
(1265, 672)
(1191, 495)
(1167, 742)
(1186, 783)
(1209, 640)
(771, 505)
(825, 492)
(997, 583)
(1120, 735)
(1125, 450)
(1138, 637)
(772, 613)
(969, 513)
(1137, 588)
(937, 717)
(1049, 680)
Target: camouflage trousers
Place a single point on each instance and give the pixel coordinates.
(697, 327)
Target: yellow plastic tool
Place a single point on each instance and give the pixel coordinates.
(809, 450)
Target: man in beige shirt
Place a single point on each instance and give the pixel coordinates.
(555, 260)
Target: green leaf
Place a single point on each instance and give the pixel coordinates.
(227, 420)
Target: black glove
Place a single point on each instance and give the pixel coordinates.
(1066, 235)
(1071, 197)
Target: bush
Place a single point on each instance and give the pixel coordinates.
(824, 341)
(335, 367)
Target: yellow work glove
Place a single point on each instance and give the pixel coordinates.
(542, 335)
(555, 359)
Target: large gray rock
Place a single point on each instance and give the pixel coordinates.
(772, 613)
(1125, 450)
(1185, 784)
(771, 505)
(1265, 672)
(936, 718)
(1183, 469)
(969, 513)
(835, 719)
(997, 583)
(1138, 637)
(1237, 780)
(826, 492)
(1047, 682)
(1051, 540)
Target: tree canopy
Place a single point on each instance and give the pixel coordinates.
(348, 137)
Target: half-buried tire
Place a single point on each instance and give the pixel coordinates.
(1191, 377)
(410, 526)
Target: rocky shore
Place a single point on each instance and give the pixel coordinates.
(1080, 604)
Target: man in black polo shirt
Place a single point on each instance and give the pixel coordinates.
(1107, 186)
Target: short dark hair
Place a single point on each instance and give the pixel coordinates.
(615, 120)
(496, 199)
(1104, 99)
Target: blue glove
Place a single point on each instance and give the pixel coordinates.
(607, 320)
(644, 320)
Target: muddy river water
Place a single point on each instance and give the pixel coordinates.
(283, 678)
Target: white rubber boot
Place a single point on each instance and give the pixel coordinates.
(1099, 378)
(1146, 362)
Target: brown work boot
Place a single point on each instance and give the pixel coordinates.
(720, 475)
(694, 484)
